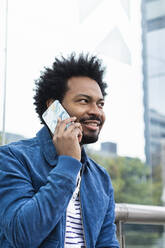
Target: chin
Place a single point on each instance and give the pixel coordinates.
(88, 139)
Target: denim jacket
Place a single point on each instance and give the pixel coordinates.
(36, 186)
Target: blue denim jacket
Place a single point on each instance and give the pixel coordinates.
(35, 188)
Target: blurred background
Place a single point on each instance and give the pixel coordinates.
(129, 37)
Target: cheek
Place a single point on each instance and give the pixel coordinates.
(103, 117)
(78, 112)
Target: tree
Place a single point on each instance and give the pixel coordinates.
(131, 180)
(132, 184)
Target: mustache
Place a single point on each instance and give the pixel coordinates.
(91, 118)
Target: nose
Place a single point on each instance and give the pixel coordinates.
(94, 110)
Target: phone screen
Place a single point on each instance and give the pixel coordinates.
(50, 116)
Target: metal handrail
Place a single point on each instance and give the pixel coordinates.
(137, 214)
(146, 214)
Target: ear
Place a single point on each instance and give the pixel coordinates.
(49, 102)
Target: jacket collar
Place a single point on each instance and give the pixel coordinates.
(49, 151)
(47, 147)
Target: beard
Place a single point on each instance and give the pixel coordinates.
(86, 139)
(92, 137)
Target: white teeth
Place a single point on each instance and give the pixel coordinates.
(92, 124)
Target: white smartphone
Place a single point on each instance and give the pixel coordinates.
(50, 116)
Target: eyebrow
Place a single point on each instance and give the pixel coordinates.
(89, 97)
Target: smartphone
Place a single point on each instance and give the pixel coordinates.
(50, 116)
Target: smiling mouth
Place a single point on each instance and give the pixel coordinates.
(92, 125)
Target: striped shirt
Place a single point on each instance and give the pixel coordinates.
(74, 230)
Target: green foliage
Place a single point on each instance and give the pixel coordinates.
(141, 235)
(131, 180)
(157, 181)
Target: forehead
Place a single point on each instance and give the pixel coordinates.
(84, 85)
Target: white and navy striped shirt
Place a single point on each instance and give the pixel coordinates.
(74, 230)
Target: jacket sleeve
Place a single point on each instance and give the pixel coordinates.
(107, 237)
(28, 217)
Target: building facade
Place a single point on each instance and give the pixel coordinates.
(153, 23)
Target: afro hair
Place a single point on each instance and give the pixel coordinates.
(52, 83)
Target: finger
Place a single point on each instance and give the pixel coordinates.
(75, 129)
(61, 124)
(78, 134)
(72, 126)
(80, 127)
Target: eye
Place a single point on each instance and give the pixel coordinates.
(101, 104)
(83, 100)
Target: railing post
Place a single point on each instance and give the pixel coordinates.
(120, 235)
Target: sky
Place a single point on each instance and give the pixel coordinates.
(40, 30)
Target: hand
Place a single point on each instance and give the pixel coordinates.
(67, 140)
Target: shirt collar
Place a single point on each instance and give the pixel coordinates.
(49, 150)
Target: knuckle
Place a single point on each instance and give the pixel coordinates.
(58, 136)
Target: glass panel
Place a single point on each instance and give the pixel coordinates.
(154, 85)
(144, 236)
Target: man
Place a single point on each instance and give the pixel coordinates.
(51, 193)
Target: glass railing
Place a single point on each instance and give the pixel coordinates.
(140, 226)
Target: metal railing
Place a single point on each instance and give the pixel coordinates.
(137, 214)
